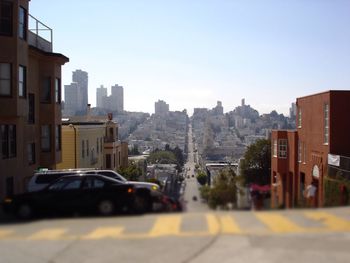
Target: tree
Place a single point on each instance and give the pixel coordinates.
(256, 165)
(202, 178)
(224, 190)
(164, 157)
(131, 173)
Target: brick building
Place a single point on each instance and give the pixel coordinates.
(301, 156)
(30, 97)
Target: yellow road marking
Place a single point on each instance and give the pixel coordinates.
(49, 234)
(166, 225)
(332, 222)
(229, 225)
(278, 223)
(105, 232)
(213, 224)
(5, 233)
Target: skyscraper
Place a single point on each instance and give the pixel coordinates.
(71, 99)
(76, 94)
(101, 93)
(81, 78)
(117, 94)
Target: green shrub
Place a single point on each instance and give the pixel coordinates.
(336, 192)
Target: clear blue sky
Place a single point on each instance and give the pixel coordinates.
(192, 53)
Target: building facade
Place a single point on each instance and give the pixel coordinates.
(30, 98)
(92, 144)
(161, 108)
(301, 156)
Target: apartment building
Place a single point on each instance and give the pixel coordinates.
(91, 143)
(30, 97)
(307, 154)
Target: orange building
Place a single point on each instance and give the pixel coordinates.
(301, 156)
(30, 97)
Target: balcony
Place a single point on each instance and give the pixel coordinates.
(39, 35)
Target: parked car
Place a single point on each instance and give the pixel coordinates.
(149, 193)
(79, 193)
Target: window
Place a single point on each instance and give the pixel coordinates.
(274, 150)
(22, 81)
(45, 96)
(101, 144)
(299, 117)
(6, 11)
(8, 141)
(108, 161)
(22, 23)
(58, 138)
(282, 148)
(299, 151)
(73, 185)
(82, 148)
(87, 147)
(45, 138)
(326, 123)
(57, 90)
(31, 109)
(304, 152)
(92, 183)
(97, 146)
(31, 153)
(5, 79)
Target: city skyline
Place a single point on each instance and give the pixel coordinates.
(194, 54)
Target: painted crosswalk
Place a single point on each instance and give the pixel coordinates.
(181, 225)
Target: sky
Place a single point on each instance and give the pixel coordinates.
(193, 53)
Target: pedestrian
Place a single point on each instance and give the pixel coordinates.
(310, 194)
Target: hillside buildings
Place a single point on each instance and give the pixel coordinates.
(318, 150)
(76, 94)
(30, 98)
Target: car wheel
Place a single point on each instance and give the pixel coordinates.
(106, 207)
(142, 203)
(24, 211)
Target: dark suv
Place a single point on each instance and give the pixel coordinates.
(78, 193)
(148, 195)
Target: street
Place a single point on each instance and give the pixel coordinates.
(321, 235)
(191, 190)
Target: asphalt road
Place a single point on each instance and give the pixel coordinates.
(191, 190)
(321, 235)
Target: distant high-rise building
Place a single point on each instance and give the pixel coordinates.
(117, 94)
(218, 110)
(293, 111)
(243, 102)
(78, 87)
(161, 108)
(71, 99)
(81, 78)
(101, 93)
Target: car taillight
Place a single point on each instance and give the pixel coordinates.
(130, 190)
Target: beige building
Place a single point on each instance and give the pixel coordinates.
(30, 97)
(92, 144)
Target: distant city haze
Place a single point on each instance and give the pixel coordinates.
(192, 54)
